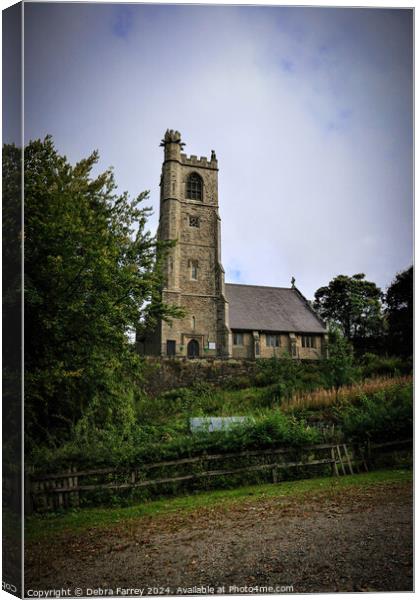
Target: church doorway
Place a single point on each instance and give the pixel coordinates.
(193, 349)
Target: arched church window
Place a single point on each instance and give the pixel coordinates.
(194, 187)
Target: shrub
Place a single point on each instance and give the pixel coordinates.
(373, 365)
(382, 416)
(339, 368)
(289, 374)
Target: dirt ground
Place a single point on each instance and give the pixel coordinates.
(353, 539)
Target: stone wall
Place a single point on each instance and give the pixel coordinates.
(163, 374)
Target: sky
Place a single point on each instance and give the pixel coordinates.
(309, 111)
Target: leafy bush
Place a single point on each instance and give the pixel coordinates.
(339, 368)
(373, 365)
(383, 416)
(289, 374)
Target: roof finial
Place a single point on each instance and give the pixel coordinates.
(293, 282)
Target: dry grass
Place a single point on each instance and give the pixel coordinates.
(322, 398)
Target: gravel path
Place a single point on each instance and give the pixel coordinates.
(353, 539)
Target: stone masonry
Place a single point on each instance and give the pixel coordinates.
(193, 274)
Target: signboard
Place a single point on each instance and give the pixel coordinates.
(209, 424)
(212, 345)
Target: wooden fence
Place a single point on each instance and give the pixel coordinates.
(64, 490)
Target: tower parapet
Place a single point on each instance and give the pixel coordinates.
(203, 161)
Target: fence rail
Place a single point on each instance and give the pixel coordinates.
(64, 490)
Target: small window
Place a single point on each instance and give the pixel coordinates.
(194, 269)
(272, 340)
(170, 347)
(194, 187)
(238, 339)
(308, 341)
(194, 221)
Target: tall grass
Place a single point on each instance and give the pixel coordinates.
(326, 398)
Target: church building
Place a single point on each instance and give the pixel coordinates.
(224, 320)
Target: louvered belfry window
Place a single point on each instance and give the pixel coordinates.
(194, 187)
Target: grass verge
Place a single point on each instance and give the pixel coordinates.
(41, 526)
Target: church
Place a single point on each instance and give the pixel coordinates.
(223, 320)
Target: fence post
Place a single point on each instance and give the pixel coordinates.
(76, 484)
(274, 474)
(369, 453)
(334, 464)
(60, 494)
(348, 459)
(341, 460)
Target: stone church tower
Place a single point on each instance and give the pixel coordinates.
(193, 273)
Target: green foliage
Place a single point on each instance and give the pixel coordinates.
(374, 365)
(383, 416)
(288, 376)
(149, 443)
(91, 275)
(399, 313)
(353, 304)
(339, 368)
(11, 303)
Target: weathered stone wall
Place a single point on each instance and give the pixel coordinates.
(200, 323)
(163, 374)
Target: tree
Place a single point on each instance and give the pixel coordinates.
(353, 304)
(399, 313)
(92, 272)
(12, 305)
(339, 366)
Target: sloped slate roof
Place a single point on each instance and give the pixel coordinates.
(263, 308)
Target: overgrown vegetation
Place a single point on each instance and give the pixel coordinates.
(378, 409)
(173, 440)
(326, 398)
(382, 416)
